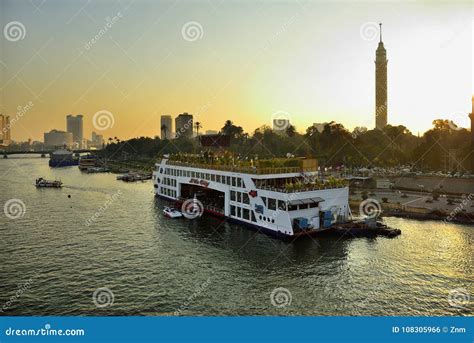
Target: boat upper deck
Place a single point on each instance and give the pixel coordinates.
(276, 166)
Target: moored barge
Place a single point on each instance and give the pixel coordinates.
(282, 197)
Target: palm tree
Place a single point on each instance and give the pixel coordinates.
(198, 126)
(164, 130)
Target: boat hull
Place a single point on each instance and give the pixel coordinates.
(65, 163)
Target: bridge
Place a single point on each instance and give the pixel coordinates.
(42, 152)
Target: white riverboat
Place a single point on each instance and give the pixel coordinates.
(285, 201)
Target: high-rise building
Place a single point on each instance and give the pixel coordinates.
(5, 137)
(75, 126)
(166, 127)
(56, 138)
(97, 140)
(381, 85)
(184, 125)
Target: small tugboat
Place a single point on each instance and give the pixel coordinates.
(172, 212)
(42, 183)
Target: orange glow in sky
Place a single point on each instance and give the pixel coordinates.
(236, 60)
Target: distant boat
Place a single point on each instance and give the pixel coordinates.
(87, 161)
(98, 170)
(172, 212)
(42, 183)
(132, 177)
(62, 158)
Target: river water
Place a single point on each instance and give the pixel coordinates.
(105, 237)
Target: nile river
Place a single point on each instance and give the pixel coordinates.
(99, 234)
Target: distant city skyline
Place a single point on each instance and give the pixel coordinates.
(248, 61)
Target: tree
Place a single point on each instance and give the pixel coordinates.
(197, 126)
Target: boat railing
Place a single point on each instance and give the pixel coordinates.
(244, 169)
(305, 188)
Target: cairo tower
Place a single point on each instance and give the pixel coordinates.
(380, 85)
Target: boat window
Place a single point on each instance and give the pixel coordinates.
(313, 205)
(271, 204)
(246, 214)
(239, 197)
(232, 195)
(233, 181)
(239, 212)
(245, 198)
(228, 180)
(292, 207)
(264, 201)
(208, 176)
(213, 177)
(218, 179)
(281, 205)
(239, 182)
(232, 210)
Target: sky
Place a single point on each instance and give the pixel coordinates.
(247, 61)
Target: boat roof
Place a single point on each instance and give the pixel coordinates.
(306, 201)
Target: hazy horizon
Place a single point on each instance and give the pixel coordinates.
(237, 60)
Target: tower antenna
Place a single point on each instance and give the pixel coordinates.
(380, 24)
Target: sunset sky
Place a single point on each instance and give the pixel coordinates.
(313, 61)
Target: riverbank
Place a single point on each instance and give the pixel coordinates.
(415, 205)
